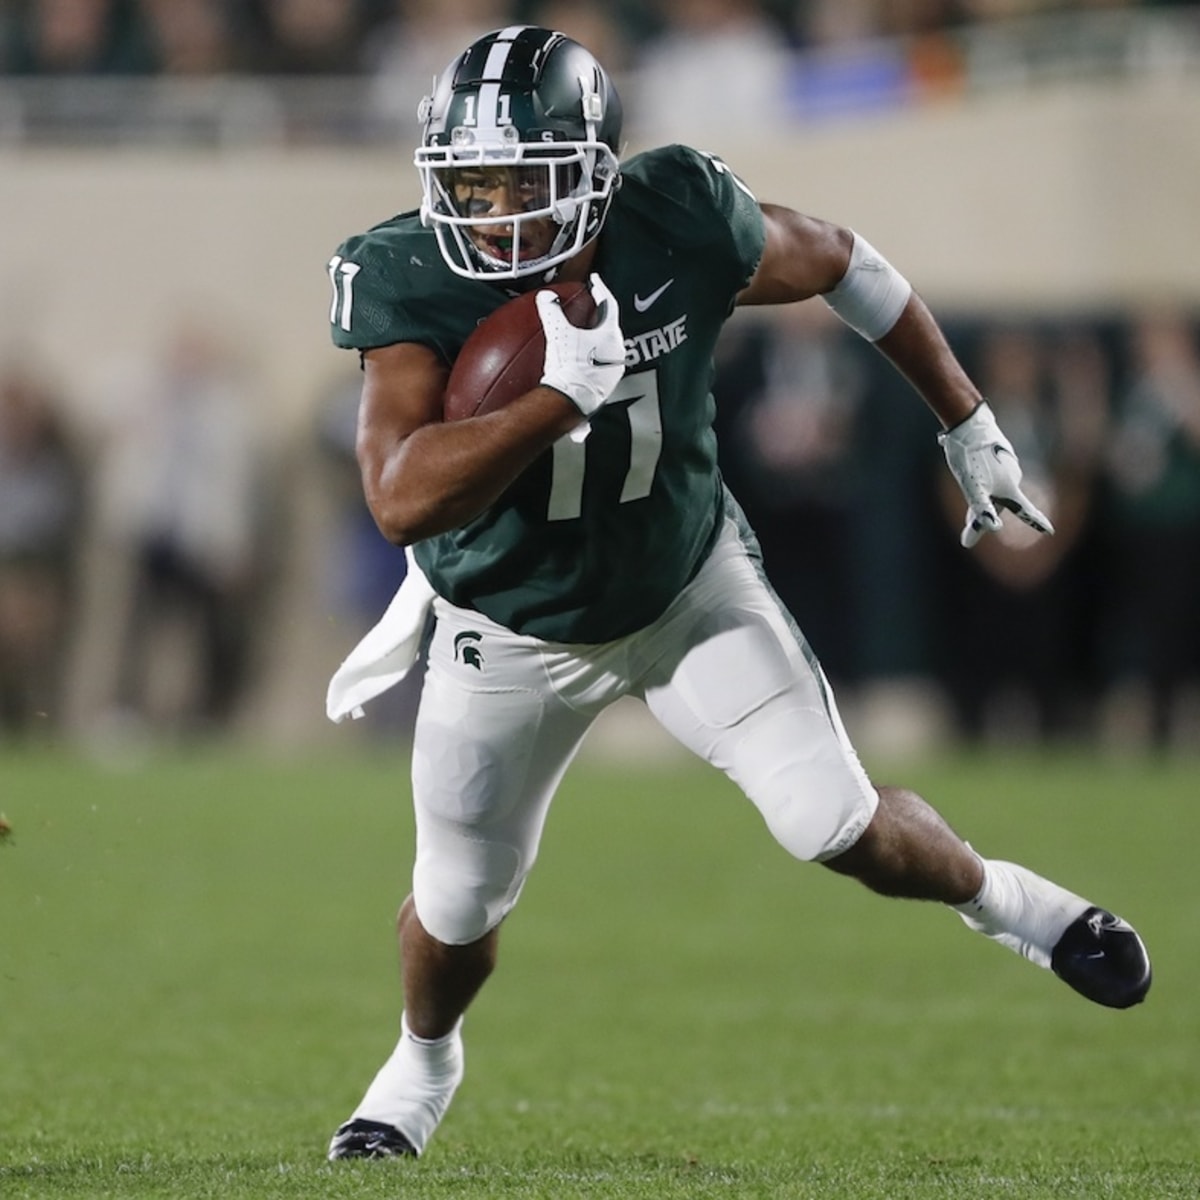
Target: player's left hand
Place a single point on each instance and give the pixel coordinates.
(985, 467)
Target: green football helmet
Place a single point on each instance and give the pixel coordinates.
(528, 114)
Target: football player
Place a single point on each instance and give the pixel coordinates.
(578, 546)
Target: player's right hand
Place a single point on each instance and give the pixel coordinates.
(584, 364)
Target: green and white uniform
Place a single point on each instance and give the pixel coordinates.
(618, 566)
(595, 539)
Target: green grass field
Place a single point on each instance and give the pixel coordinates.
(197, 980)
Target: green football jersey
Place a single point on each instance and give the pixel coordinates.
(595, 538)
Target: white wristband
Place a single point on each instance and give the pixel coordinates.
(872, 294)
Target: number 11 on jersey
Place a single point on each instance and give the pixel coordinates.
(341, 276)
(645, 448)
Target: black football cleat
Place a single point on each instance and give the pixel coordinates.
(1102, 958)
(369, 1139)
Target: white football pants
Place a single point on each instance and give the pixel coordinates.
(502, 715)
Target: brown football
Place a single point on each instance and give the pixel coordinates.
(506, 353)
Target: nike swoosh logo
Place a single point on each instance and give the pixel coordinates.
(998, 449)
(640, 304)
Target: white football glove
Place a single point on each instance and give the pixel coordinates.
(985, 467)
(584, 364)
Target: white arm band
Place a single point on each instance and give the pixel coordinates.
(872, 294)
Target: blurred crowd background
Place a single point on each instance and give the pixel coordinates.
(178, 562)
(711, 64)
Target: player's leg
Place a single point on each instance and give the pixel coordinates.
(737, 684)
(411, 1092)
(490, 746)
(908, 850)
(440, 980)
(734, 682)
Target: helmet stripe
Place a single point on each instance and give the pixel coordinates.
(488, 114)
(497, 57)
(489, 108)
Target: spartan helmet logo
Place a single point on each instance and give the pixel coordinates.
(466, 649)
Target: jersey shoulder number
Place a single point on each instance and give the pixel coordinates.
(381, 282)
(341, 277)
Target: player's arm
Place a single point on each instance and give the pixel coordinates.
(423, 476)
(805, 257)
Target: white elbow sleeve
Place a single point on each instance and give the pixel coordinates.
(872, 294)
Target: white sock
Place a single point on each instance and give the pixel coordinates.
(1021, 910)
(414, 1087)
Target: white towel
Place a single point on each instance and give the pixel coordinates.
(386, 654)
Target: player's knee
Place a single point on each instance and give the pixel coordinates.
(814, 833)
(818, 819)
(457, 916)
(458, 905)
(804, 779)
